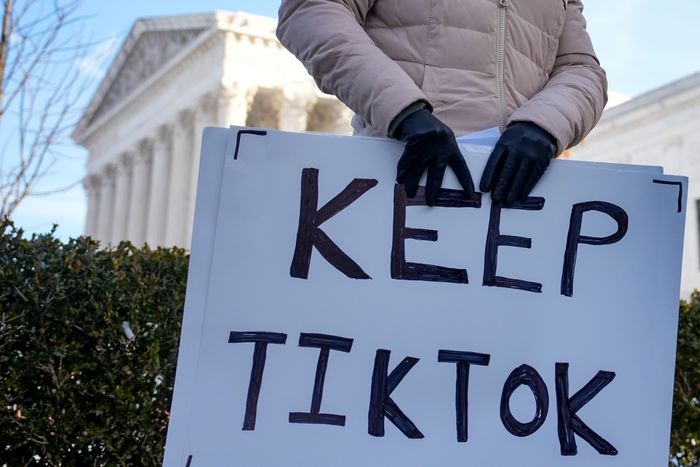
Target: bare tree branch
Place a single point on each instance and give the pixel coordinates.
(41, 87)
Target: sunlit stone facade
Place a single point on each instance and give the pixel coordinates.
(172, 77)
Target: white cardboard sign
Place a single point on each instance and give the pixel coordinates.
(330, 321)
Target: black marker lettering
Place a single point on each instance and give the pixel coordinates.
(245, 132)
(463, 361)
(261, 340)
(400, 269)
(524, 375)
(326, 344)
(310, 235)
(575, 237)
(679, 185)
(494, 239)
(381, 405)
(569, 422)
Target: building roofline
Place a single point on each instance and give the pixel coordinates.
(652, 97)
(211, 21)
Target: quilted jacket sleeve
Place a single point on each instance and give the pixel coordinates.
(573, 100)
(328, 37)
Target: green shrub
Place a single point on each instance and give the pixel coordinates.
(685, 439)
(74, 389)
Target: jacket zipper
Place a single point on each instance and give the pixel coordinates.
(500, 61)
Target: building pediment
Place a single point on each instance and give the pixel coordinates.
(156, 46)
(149, 46)
(153, 50)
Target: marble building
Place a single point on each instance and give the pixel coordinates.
(661, 128)
(172, 77)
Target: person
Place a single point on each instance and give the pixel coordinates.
(422, 71)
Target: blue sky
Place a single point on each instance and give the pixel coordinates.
(642, 44)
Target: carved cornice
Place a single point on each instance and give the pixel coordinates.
(92, 123)
(651, 106)
(184, 120)
(126, 159)
(92, 182)
(144, 151)
(236, 91)
(141, 27)
(164, 133)
(208, 103)
(152, 50)
(105, 106)
(108, 173)
(142, 97)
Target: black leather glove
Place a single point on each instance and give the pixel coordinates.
(431, 145)
(517, 163)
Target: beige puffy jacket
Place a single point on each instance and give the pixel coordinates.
(479, 63)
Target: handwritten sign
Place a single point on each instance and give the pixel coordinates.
(332, 321)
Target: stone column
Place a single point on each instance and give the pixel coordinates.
(233, 106)
(205, 115)
(122, 196)
(329, 115)
(294, 111)
(106, 209)
(342, 125)
(178, 191)
(264, 111)
(160, 182)
(138, 208)
(91, 183)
